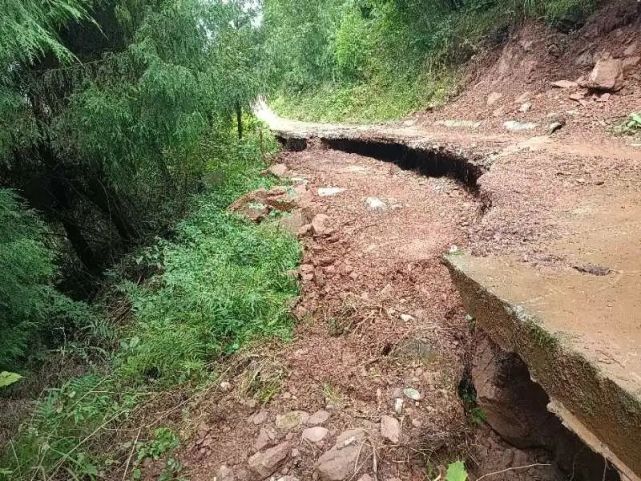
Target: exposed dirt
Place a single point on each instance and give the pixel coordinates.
(500, 81)
(378, 312)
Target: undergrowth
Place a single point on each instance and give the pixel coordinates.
(220, 281)
(387, 60)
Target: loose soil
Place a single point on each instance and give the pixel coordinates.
(378, 312)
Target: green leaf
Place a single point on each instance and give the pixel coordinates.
(456, 472)
(8, 378)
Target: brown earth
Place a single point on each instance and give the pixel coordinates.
(378, 311)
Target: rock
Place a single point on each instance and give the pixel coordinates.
(500, 112)
(288, 478)
(294, 221)
(631, 63)
(577, 96)
(565, 84)
(266, 437)
(604, 97)
(493, 98)
(555, 126)
(319, 225)
(586, 59)
(257, 204)
(260, 417)
(526, 107)
(514, 126)
(339, 463)
(524, 97)
(366, 477)
(390, 429)
(412, 394)
(407, 318)
(291, 420)
(631, 49)
(314, 435)
(376, 204)
(330, 191)
(607, 75)
(319, 417)
(398, 406)
(278, 170)
(225, 474)
(225, 386)
(265, 463)
(456, 124)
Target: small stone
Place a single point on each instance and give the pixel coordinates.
(278, 170)
(565, 84)
(291, 420)
(526, 107)
(260, 417)
(493, 98)
(319, 417)
(225, 386)
(554, 126)
(295, 453)
(320, 225)
(225, 474)
(266, 463)
(524, 97)
(375, 204)
(390, 429)
(514, 126)
(412, 394)
(266, 437)
(329, 191)
(407, 318)
(339, 463)
(314, 435)
(416, 423)
(398, 406)
(604, 97)
(577, 96)
(288, 478)
(454, 124)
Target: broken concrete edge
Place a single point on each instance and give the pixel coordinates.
(603, 414)
(439, 159)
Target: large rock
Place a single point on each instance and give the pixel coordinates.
(607, 75)
(340, 462)
(265, 463)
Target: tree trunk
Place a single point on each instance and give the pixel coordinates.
(239, 119)
(109, 203)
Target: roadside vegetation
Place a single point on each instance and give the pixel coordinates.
(366, 60)
(125, 134)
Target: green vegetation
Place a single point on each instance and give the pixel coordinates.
(124, 136)
(221, 281)
(382, 59)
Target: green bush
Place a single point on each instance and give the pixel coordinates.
(32, 312)
(221, 281)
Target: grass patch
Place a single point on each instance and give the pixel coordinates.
(220, 282)
(379, 100)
